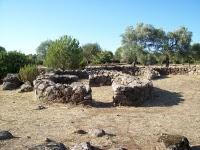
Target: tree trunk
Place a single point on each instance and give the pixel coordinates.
(167, 61)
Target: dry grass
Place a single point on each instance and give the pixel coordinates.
(174, 108)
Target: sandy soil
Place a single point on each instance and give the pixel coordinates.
(174, 109)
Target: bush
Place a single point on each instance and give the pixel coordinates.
(28, 73)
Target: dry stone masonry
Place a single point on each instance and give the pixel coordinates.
(50, 88)
(130, 90)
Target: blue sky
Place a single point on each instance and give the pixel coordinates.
(24, 24)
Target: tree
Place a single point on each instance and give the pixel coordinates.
(195, 52)
(103, 57)
(64, 53)
(154, 39)
(90, 50)
(15, 60)
(41, 50)
(118, 54)
(2, 49)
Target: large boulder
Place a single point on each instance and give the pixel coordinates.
(130, 90)
(11, 82)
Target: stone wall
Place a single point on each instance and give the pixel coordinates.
(131, 91)
(47, 89)
(140, 70)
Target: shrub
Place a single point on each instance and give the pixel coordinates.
(28, 73)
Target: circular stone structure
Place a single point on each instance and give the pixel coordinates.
(130, 90)
(62, 88)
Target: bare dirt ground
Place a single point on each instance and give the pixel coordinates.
(174, 109)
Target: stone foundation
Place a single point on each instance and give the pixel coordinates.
(47, 89)
(131, 91)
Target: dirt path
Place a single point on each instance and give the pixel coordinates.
(174, 108)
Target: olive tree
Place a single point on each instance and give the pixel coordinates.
(64, 53)
(41, 50)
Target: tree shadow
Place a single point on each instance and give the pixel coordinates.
(163, 98)
(100, 104)
(197, 147)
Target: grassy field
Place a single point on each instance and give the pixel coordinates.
(174, 109)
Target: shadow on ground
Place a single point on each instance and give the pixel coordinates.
(100, 104)
(197, 147)
(163, 98)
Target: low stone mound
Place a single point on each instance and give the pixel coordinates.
(11, 82)
(130, 90)
(48, 90)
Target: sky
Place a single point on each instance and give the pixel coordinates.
(24, 24)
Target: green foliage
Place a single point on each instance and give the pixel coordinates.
(41, 50)
(2, 49)
(28, 73)
(152, 39)
(15, 60)
(3, 64)
(90, 51)
(103, 57)
(64, 53)
(195, 52)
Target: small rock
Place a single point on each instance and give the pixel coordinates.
(97, 132)
(40, 107)
(117, 149)
(5, 135)
(80, 132)
(82, 146)
(174, 142)
(50, 145)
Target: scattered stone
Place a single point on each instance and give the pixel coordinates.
(97, 132)
(83, 146)
(80, 132)
(50, 145)
(26, 87)
(174, 142)
(40, 107)
(5, 135)
(117, 149)
(11, 82)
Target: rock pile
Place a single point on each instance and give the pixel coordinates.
(11, 82)
(47, 89)
(150, 74)
(130, 90)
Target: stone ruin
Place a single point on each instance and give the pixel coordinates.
(131, 91)
(62, 88)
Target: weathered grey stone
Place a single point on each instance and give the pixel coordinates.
(97, 132)
(130, 90)
(50, 145)
(11, 82)
(174, 142)
(26, 87)
(76, 92)
(150, 74)
(5, 135)
(82, 146)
